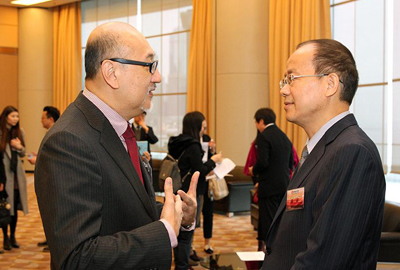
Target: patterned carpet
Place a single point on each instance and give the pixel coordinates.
(229, 235)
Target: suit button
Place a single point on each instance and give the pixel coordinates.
(268, 251)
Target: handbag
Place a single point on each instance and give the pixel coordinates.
(5, 217)
(217, 188)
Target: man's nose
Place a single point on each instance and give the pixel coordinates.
(285, 91)
(156, 78)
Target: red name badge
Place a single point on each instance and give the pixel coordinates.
(295, 199)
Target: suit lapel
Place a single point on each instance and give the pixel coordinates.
(113, 145)
(313, 158)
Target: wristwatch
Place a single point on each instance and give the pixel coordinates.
(187, 227)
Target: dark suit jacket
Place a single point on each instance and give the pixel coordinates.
(274, 161)
(149, 136)
(340, 225)
(96, 212)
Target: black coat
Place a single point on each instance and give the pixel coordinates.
(2, 177)
(191, 160)
(274, 161)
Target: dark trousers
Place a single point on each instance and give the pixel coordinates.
(182, 251)
(14, 218)
(267, 210)
(208, 215)
(205, 206)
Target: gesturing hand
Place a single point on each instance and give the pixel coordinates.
(172, 210)
(16, 143)
(189, 203)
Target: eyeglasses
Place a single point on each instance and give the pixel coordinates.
(152, 65)
(290, 78)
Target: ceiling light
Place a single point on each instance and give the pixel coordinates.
(28, 2)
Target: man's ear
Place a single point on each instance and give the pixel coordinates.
(333, 84)
(108, 70)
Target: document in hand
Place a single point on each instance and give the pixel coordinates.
(143, 146)
(223, 168)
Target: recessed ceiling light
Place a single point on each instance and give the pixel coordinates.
(28, 2)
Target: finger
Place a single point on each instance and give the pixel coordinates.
(186, 199)
(178, 207)
(178, 201)
(168, 189)
(193, 183)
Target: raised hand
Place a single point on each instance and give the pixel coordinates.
(16, 143)
(189, 203)
(172, 210)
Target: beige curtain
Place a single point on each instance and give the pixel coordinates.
(200, 58)
(67, 59)
(292, 22)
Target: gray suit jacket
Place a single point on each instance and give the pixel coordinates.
(95, 210)
(340, 225)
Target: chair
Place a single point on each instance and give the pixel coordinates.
(389, 247)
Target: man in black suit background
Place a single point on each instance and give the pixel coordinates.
(331, 215)
(94, 193)
(143, 132)
(271, 170)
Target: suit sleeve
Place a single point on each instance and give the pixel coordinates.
(68, 183)
(150, 136)
(263, 149)
(351, 196)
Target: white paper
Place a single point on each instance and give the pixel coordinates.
(251, 256)
(223, 168)
(204, 145)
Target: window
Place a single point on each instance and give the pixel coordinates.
(166, 24)
(372, 33)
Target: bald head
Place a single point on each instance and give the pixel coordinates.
(109, 40)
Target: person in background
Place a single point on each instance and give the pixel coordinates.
(331, 216)
(271, 169)
(50, 115)
(187, 149)
(3, 180)
(12, 144)
(143, 132)
(94, 192)
(205, 203)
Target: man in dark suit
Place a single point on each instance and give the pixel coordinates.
(271, 170)
(94, 193)
(331, 215)
(143, 132)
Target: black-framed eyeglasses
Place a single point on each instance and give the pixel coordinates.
(152, 65)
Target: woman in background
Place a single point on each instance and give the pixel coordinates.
(3, 193)
(187, 149)
(13, 147)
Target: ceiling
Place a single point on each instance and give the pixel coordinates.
(48, 4)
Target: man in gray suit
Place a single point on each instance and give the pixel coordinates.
(94, 193)
(331, 215)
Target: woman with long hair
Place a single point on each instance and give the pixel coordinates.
(12, 145)
(187, 149)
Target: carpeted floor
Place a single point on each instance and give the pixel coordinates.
(229, 235)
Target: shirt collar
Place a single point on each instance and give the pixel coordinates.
(117, 121)
(311, 143)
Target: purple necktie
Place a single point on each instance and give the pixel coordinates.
(131, 144)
